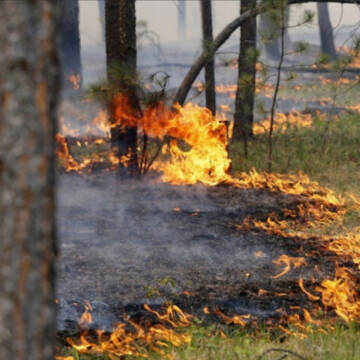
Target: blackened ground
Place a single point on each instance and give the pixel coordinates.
(126, 244)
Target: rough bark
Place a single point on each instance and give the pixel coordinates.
(120, 35)
(70, 41)
(199, 63)
(207, 29)
(245, 94)
(181, 19)
(29, 81)
(326, 31)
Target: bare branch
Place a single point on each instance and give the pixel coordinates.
(194, 71)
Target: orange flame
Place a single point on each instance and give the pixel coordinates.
(289, 262)
(123, 342)
(75, 81)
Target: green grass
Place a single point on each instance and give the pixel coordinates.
(328, 152)
(209, 343)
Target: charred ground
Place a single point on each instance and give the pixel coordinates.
(126, 244)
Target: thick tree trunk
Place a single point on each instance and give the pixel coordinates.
(29, 81)
(326, 31)
(70, 41)
(207, 30)
(121, 68)
(181, 19)
(245, 94)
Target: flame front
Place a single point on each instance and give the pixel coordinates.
(125, 341)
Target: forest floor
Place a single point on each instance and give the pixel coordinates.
(334, 163)
(125, 245)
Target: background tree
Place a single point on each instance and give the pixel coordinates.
(28, 91)
(101, 4)
(207, 30)
(120, 36)
(70, 40)
(245, 94)
(326, 31)
(270, 32)
(181, 19)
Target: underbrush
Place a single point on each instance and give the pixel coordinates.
(231, 343)
(328, 152)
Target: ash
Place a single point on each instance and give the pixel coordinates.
(123, 244)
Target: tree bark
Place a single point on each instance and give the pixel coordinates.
(207, 29)
(181, 19)
(326, 31)
(120, 32)
(29, 85)
(70, 41)
(245, 94)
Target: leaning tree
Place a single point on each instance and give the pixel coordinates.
(29, 85)
(221, 38)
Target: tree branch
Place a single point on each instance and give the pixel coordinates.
(195, 69)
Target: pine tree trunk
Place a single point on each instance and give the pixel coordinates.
(29, 84)
(207, 29)
(181, 19)
(245, 94)
(326, 32)
(70, 41)
(120, 29)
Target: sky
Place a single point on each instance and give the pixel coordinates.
(161, 17)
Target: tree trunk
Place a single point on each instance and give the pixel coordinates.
(29, 87)
(181, 19)
(207, 30)
(326, 32)
(120, 29)
(101, 4)
(70, 41)
(270, 32)
(220, 39)
(245, 94)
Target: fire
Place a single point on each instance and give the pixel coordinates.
(341, 294)
(75, 81)
(283, 122)
(289, 262)
(193, 149)
(125, 341)
(310, 296)
(234, 320)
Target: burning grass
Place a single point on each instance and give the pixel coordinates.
(320, 149)
(227, 343)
